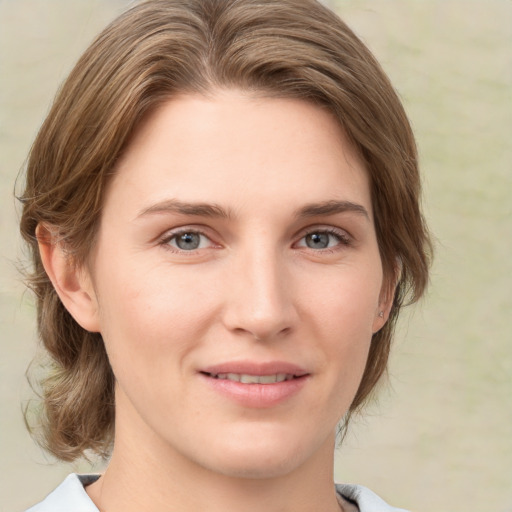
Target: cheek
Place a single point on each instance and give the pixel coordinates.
(347, 298)
(149, 314)
(343, 317)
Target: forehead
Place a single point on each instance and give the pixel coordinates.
(237, 148)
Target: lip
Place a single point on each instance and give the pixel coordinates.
(255, 368)
(258, 396)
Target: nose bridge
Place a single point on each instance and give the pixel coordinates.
(261, 303)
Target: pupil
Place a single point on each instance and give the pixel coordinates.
(188, 241)
(317, 240)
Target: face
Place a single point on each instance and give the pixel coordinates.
(236, 282)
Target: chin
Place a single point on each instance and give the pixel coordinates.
(258, 467)
(261, 455)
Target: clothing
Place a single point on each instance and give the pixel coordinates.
(70, 496)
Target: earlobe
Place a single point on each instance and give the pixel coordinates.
(72, 283)
(381, 318)
(386, 299)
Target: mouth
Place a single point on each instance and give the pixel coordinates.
(245, 378)
(256, 384)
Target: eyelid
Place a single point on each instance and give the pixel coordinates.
(164, 239)
(346, 239)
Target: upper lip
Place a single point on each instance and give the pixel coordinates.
(255, 368)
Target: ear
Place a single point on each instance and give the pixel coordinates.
(386, 298)
(73, 284)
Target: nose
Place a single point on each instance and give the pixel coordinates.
(261, 303)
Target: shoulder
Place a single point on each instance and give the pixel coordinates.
(69, 496)
(366, 500)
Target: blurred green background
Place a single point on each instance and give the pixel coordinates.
(440, 437)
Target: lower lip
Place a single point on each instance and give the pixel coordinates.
(257, 396)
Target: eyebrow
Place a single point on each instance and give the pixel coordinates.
(213, 210)
(332, 208)
(180, 207)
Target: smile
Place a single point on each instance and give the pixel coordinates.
(245, 378)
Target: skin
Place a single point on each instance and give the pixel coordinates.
(256, 289)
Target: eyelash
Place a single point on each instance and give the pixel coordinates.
(344, 239)
(165, 241)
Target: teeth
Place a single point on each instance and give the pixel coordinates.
(270, 379)
(254, 379)
(249, 379)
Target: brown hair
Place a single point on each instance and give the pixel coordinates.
(283, 48)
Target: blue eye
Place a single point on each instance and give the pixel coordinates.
(323, 240)
(318, 240)
(188, 241)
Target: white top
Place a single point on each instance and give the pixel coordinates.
(70, 496)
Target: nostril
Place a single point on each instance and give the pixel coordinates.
(264, 335)
(260, 316)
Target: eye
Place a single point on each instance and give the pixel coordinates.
(324, 239)
(187, 241)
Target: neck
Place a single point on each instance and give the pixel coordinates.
(146, 474)
(121, 490)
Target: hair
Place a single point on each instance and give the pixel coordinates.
(157, 49)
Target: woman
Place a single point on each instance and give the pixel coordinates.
(223, 211)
